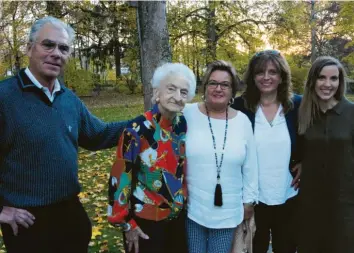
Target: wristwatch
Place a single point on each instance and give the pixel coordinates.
(251, 203)
(126, 227)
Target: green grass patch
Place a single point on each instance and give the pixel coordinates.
(94, 170)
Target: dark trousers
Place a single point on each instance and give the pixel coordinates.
(280, 220)
(165, 236)
(59, 228)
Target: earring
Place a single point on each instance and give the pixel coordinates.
(203, 98)
(231, 101)
(157, 100)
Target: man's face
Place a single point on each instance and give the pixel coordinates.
(49, 53)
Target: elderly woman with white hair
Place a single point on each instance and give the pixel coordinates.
(146, 188)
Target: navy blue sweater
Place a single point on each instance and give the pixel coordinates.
(291, 120)
(39, 142)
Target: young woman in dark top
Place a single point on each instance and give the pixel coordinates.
(326, 121)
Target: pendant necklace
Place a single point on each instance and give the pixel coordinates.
(218, 190)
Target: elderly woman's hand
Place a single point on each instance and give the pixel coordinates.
(132, 238)
(248, 211)
(296, 181)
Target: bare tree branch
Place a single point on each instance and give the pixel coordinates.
(230, 27)
(201, 34)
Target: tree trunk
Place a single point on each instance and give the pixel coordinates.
(117, 58)
(154, 42)
(117, 62)
(211, 30)
(313, 32)
(16, 43)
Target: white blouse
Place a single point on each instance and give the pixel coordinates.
(273, 152)
(239, 172)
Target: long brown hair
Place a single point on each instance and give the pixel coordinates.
(309, 109)
(257, 64)
(223, 66)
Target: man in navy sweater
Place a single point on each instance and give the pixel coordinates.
(42, 124)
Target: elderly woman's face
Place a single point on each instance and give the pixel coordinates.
(173, 93)
(219, 91)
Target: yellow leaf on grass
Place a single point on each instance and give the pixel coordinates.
(83, 197)
(99, 220)
(104, 249)
(99, 204)
(96, 232)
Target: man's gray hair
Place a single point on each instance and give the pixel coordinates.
(38, 24)
(175, 69)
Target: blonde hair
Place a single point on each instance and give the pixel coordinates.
(309, 109)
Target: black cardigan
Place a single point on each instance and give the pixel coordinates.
(291, 120)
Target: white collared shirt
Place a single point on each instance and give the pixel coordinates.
(46, 91)
(273, 151)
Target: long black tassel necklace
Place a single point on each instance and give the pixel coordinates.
(218, 190)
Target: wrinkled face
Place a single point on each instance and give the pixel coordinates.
(327, 83)
(49, 53)
(172, 94)
(267, 81)
(218, 90)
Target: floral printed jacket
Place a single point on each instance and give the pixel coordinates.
(150, 164)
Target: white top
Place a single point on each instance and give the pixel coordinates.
(46, 91)
(239, 172)
(273, 152)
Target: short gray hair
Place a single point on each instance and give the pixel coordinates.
(38, 24)
(178, 69)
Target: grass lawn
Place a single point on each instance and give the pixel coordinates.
(94, 172)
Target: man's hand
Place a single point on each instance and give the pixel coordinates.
(248, 211)
(132, 238)
(296, 181)
(14, 216)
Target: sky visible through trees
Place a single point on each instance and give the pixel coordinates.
(107, 49)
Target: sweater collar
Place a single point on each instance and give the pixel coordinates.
(26, 83)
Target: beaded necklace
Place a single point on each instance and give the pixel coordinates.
(218, 190)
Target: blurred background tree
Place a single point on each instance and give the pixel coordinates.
(107, 51)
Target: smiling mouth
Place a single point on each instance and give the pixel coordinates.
(175, 103)
(53, 64)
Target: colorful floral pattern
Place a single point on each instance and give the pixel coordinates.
(150, 163)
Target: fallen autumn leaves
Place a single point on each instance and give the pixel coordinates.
(93, 175)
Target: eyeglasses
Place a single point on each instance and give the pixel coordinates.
(270, 51)
(49, 46)
(223, 85)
